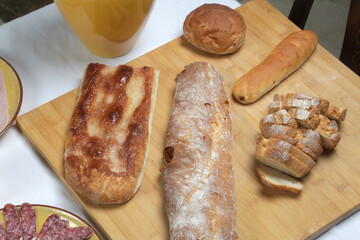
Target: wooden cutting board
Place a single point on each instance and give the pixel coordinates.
(332, 189)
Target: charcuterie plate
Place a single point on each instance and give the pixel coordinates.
(44, 211)
(10, 95)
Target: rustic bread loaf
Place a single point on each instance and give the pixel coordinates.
(108, 139)
(198, 179)
(283, 60)
(276, 179)
(215, 28)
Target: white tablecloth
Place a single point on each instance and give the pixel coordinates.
(50, 61)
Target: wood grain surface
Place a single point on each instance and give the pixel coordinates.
(331, 191)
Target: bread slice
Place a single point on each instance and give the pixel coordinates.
(280, 117)
(329, 132)
(279, 159)
(308, 118)
(336, 113)
(306, 140)
(276, 105)
(295, 100)
(278, 180)
(306, 102)
(312, 141)
(290, 149)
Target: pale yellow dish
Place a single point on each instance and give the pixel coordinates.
(13, 91)
(43, 211)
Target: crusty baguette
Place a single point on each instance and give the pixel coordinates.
(284, 59)
(197, 173)
(279, 159)
(278, 180)
(107, 142)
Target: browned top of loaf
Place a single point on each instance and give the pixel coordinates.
(106, 142)
(215, 28)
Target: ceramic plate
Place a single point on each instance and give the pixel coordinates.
(43, 211)
(14, 92)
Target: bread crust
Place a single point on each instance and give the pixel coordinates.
(215, 28)
(284, 59)
(267, 176)
(107, 142)
(198, 178)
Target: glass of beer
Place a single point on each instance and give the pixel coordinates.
(108, 28)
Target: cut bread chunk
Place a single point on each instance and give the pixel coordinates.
(295, 100)
(278, 180)
(329, 132)
(279, 159)
(308, 118)
(280, 117)
(312, 141)
(336, 113)
(276, 105)
(290, 149)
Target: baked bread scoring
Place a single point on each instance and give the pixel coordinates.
(215, 28)
(107, 143)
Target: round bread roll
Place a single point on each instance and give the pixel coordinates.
(215, 28)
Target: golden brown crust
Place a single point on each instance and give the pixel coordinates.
(198, 179)
(106, 146)
(215, 28)
(284, 59)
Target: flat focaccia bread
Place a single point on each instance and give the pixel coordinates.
(198, 179)
(107, 143)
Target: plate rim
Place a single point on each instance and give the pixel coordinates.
(63, 210)
(20, 100)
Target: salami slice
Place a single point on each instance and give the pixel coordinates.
(2, 232)
(47, 224)
(76, 233)
(55, 227)
(12, 221)
(28, 221)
